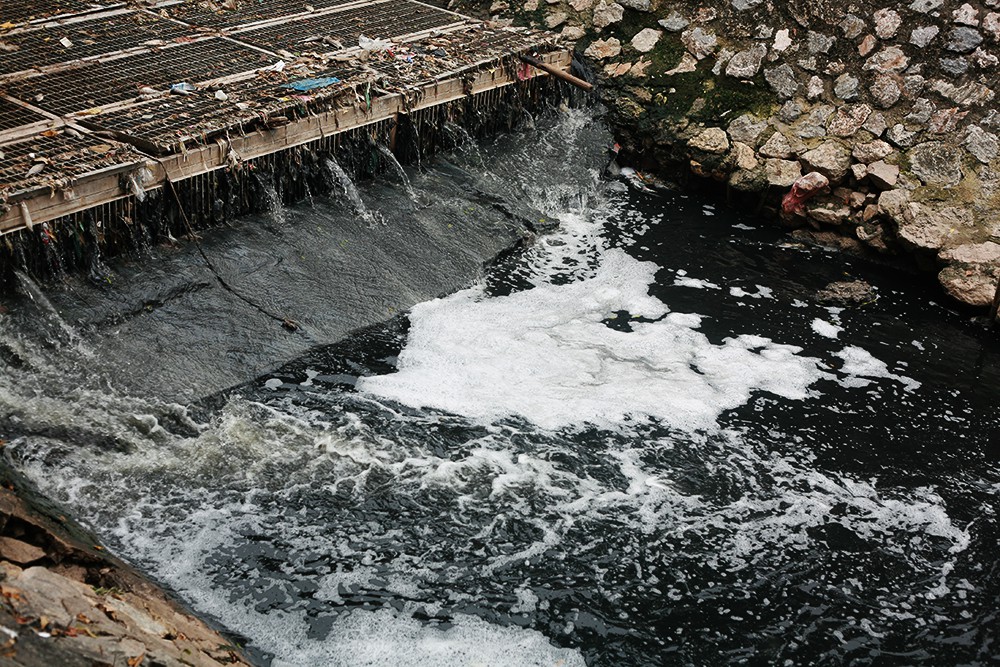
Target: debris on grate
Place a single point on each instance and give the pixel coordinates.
(246, 12)
(54, 159)
(22, 11)
(168, 124)
(325, 33)
(98, 83)
(55, 43)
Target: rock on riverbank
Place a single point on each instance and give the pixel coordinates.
(891, 101)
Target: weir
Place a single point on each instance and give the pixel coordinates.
(123, 125)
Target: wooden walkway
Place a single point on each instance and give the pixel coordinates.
(100, 101)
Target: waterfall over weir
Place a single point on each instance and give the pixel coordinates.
(638, 441)
(126, 227)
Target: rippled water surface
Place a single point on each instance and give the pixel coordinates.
(640, 442)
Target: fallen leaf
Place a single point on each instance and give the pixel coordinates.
(100, 149)
(137, 660)
(50, 133)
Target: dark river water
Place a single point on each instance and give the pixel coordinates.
(642, 441)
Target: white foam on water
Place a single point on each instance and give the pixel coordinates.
(825, 329)
(695, 283)
(859, 363)
(761, 293)
(546, 355)
(386, 638)
(182, 506)
(178, 525)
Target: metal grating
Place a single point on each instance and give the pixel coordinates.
(98, 83)
(14, 115)
(22, 11)
(163, 124)
(69, 156)
(249, 11)
(385, 20)
(100, 35)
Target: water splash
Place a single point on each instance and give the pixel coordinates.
(312, 519)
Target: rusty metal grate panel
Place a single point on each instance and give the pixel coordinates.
(100, 35)
(385, 20)
(22, 11)
(249, 11)
(98, 83)
(14, 115)
(69, 157)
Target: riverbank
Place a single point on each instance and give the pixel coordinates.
(65, 601)
(878, 118)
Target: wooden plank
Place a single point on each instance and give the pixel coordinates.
(27, 131)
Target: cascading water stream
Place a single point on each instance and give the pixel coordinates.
(398, 170)
(272, 199)
(463, 141)
(639, 442)
(350, 190)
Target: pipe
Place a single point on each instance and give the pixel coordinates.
(556, 72)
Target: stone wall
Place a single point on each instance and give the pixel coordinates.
(886, 108)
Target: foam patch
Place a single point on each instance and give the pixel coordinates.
(386, 638)
(546, 355)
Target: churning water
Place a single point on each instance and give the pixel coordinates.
(640, 442)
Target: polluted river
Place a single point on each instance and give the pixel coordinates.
(638, 440)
